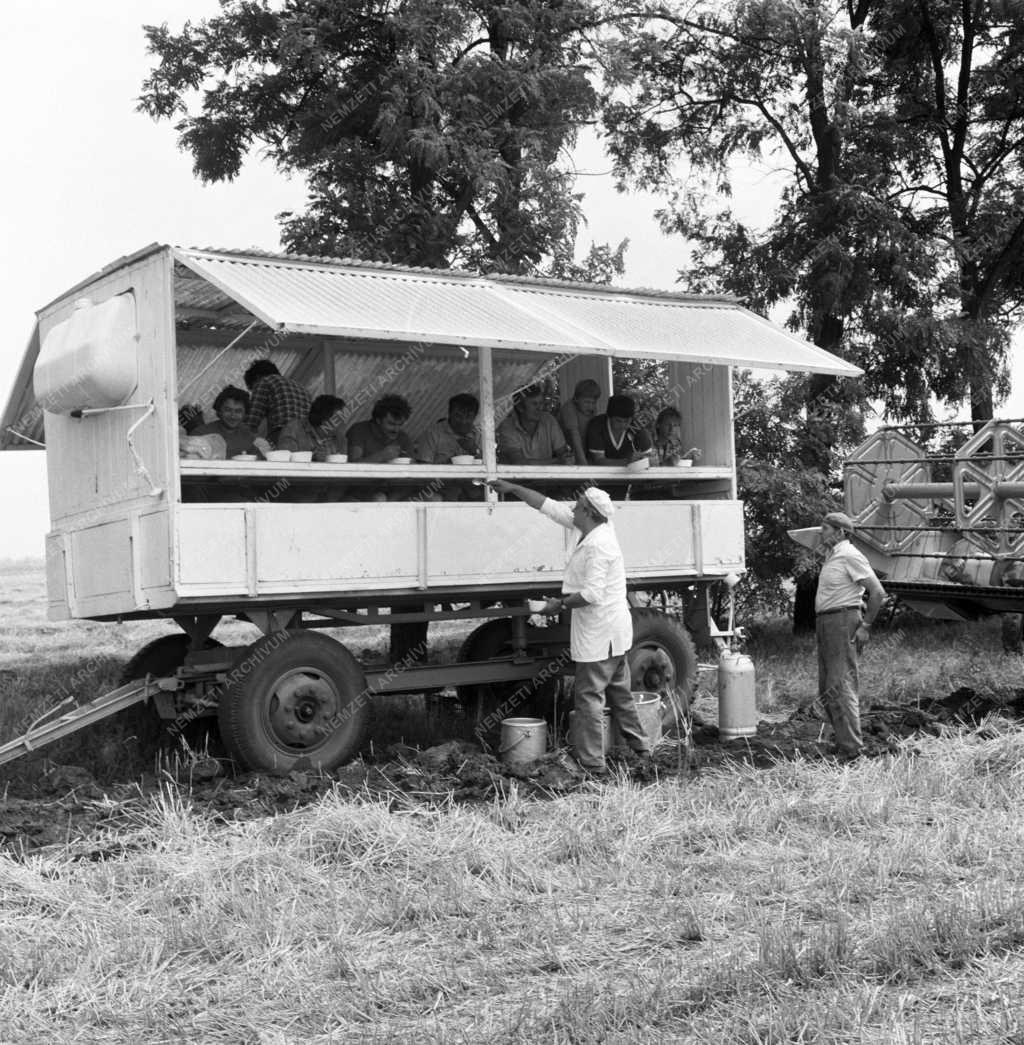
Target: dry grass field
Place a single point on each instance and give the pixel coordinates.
(880, 902)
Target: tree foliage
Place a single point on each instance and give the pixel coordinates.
(430, 131)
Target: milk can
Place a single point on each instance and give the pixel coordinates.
(737, 704)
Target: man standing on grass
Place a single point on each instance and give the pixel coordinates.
(594, 588)
(843, 629)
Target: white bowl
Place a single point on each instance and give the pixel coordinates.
(302, 456)
(639, 466)
(337, 458)
(280, 456)
(244, 457)
(536, 605)
(685, 463)
(401, 460)
(462, 459)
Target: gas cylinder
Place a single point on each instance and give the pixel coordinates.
(737, 703)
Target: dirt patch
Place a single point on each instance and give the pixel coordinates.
(67, 807)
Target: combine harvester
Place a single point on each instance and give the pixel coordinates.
(943, 531)
(138, 530)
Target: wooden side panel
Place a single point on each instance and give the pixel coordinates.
(721, 537)
(101, 558)
(333, 549)
(154, 551)
(703, 394)
(91, 470)
(211, 550)
(58, 595)
(110, 507)
(473, 544)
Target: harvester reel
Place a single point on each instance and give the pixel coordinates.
(886, 457)
(993, 455)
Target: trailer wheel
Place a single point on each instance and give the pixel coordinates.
(137, 734)
(488, 703)
(162, 656)
(663, 660)
(294, 700)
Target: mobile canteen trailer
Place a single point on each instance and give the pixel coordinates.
(140, 532)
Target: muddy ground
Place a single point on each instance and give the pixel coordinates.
(66, 806)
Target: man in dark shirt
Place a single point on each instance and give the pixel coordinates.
(275, 398)
(613, 437)
(382, 438)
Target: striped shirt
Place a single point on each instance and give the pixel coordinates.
(279, 399)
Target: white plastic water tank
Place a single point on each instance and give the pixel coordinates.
(91, 358)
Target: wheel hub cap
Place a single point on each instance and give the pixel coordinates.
(304, 708)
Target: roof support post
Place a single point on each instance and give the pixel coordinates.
(327, 358)
(488, 442)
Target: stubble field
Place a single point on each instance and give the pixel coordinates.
(798, 902)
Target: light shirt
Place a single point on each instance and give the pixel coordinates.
(440, 443)
(596, 570)
(841, 582)
(545, 443)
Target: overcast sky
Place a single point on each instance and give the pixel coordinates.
(88, 179)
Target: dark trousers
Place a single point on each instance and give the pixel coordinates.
(597, 682)
(838, 680)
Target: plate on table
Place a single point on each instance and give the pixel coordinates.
(401, 460)
(686, 463)
(337, 458)
(302, 456)
(463, 459)
(279, 456)
(245, 457)
(639, 466)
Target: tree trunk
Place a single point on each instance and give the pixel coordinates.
(803, 605)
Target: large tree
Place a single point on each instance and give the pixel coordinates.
(954, 70)
(429, 131)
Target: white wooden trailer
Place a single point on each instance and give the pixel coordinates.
(111, 360)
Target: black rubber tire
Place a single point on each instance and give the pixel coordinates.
(294, 700)
(663, 659)
(488, 703)
(162, 657)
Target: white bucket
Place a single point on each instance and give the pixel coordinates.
(648, 709)
(522, 739)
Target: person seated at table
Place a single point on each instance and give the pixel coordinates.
(276, 399)
(453, 435)
(613, 437)
(382, 438)
(668, 441)
(231, 406)
(530, 435)
(575, 415)
(319, 431)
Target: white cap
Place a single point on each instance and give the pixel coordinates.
(600, 501)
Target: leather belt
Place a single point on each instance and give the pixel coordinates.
(838, 609)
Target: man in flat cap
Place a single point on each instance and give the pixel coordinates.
(843, 628)
(594, 588)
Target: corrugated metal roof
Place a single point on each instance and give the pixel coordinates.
(387, 304)
(228, 289)
(712, 331)
(22, 425)
(327, 297)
